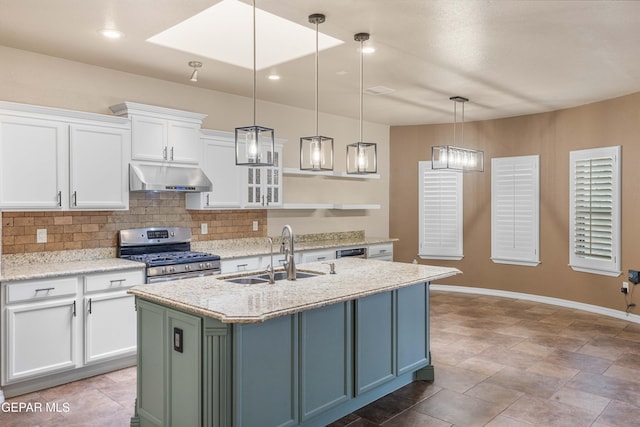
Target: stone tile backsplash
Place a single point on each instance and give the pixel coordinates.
(71, 230)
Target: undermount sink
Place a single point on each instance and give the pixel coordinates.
(282, 275)
(249, 280)
(264, 278)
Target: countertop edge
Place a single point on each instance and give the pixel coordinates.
(288, 310)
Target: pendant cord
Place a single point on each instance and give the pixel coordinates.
(455, 113)
(254, 62)
(317, 134)
(462, 128)
(361, 78)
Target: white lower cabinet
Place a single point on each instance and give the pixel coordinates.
(110, 326)
(239, 265)
(381, 251)
(319, 255)
(40, 338)
(49, 324)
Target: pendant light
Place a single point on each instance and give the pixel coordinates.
(362, 157)
(255, 144)
(316, 152)
(457, 158)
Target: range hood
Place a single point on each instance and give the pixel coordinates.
(145, 177)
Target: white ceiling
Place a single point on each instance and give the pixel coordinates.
(508, 57)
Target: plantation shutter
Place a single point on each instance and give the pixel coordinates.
(515, 210)
(440, 213)
(595, 211)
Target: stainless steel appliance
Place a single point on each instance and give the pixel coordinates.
(167, 253)
(352, 252)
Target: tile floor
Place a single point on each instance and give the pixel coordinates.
(498, 362)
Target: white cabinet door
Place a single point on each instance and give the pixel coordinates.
(99, 158)
(33, 163)
(219, 164)
(110, 326)
(263, 186)
(183, 142)
(381, 251)
(319, 255)
(41, 338)
(159, 139)
(148, 138)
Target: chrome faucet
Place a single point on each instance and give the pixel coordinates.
(269, 268)
(289, 263)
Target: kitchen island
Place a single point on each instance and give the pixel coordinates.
(304, 352)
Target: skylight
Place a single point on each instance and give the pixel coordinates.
(224, 33)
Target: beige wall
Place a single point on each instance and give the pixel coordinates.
(42, 80)
(552, 136)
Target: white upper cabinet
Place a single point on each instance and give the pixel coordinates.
(32, 163)
(52, 159)
(98, 159)
(162, 134)
(219, 164)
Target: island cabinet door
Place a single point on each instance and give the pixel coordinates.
(265, 373)
(169, 367)
(325, 358)
(375, 341)
(412, 328)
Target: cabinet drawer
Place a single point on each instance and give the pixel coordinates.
(240, 264)
(41, 289)
(113, 280)
(380, 250)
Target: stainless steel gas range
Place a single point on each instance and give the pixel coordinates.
(167, 253)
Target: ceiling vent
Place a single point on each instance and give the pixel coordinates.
(378, 90)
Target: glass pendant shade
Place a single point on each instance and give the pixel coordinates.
(254, 146)
(362, 157)
(316, 153)
(457, 158)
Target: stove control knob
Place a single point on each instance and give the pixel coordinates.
(187, 267)
(164, 269)
(200, 265)
(172, 269)
(208, 265)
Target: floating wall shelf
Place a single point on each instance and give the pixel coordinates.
(331, 174)
(351, 206)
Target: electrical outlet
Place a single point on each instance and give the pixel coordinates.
(625, 287)
(255, 225)
(41, 235)
(204, 228)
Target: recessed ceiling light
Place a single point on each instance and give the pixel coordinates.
(111, 34)
(273, 77)
(222, 32)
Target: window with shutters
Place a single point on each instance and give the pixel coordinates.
(594, 241)
(440, 213)
(515, 210)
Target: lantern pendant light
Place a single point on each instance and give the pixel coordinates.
(362, 157)
(316, 152)
(255, 144)
(457, 158)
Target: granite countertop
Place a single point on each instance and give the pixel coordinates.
(11, 272)
(229, 249)
(59, 263)
(228, 302)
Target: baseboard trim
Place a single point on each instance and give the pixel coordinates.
(618, 314)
